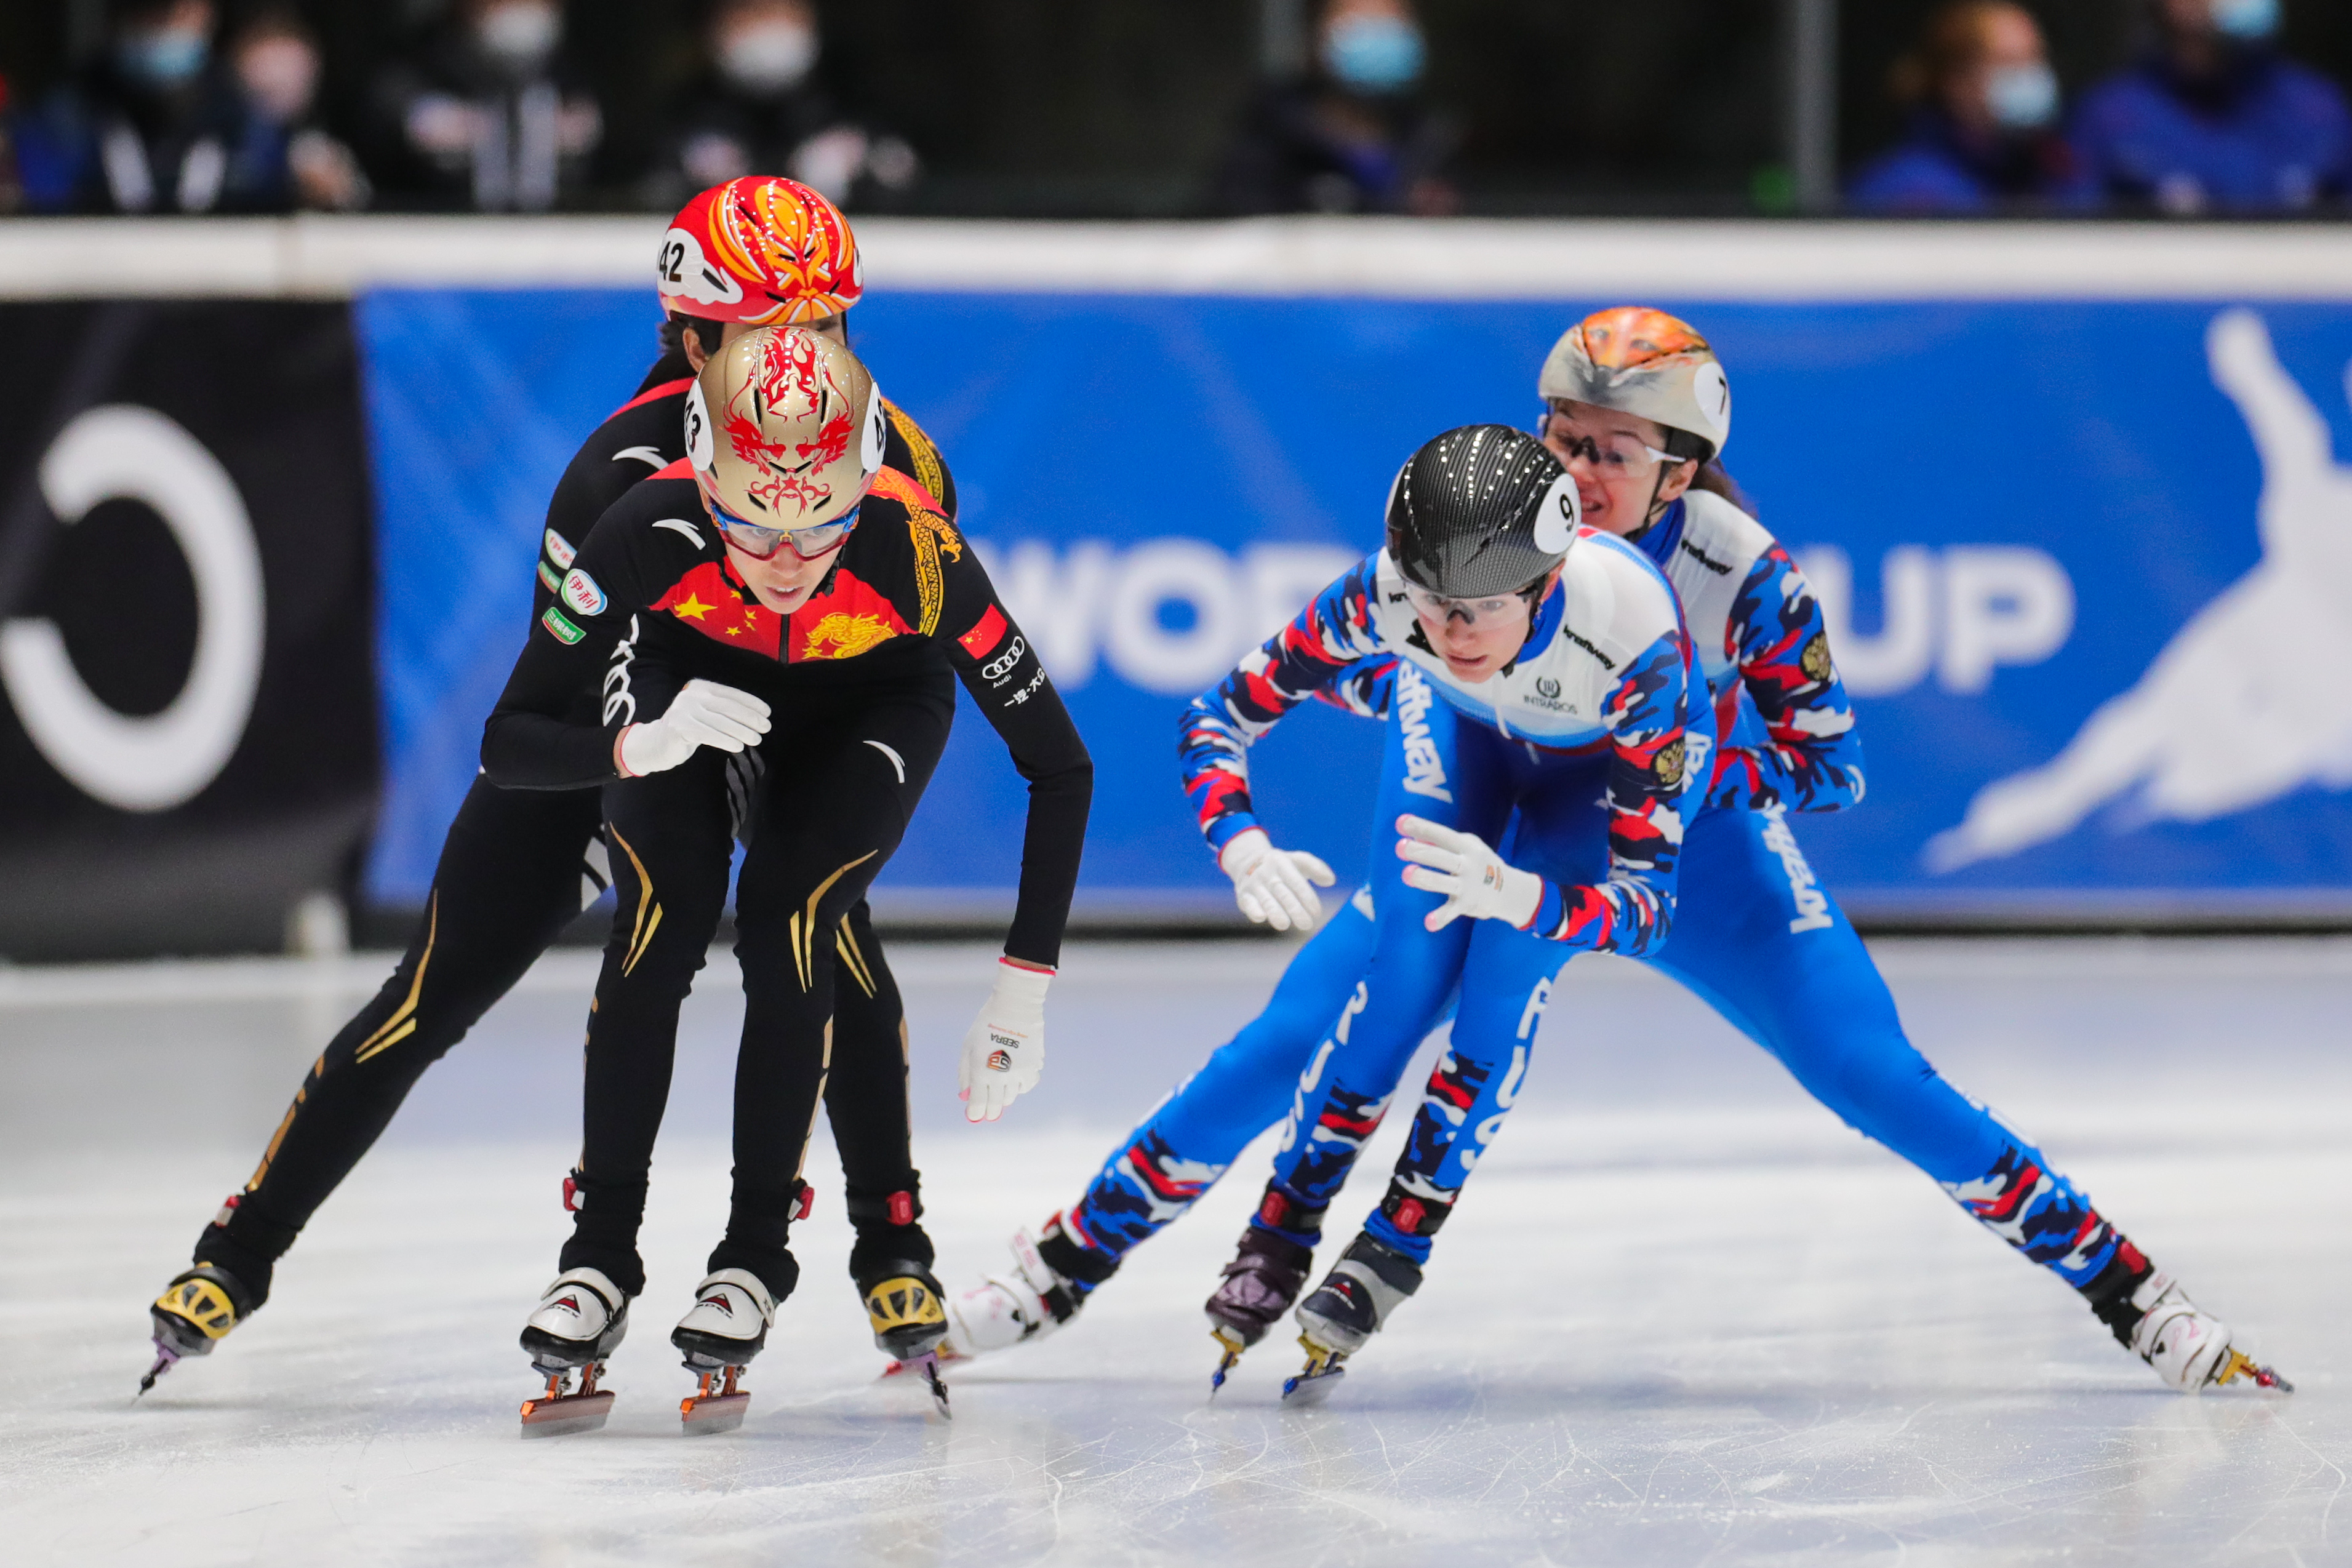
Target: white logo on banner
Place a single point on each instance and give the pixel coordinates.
(2248, 701)
(1095, 601)
(152, 763)
(1959, 612)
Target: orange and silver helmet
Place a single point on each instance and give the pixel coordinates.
(784, 429)
(762, 250)
(1643, 362)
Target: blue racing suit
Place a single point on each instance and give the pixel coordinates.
(1755, 935)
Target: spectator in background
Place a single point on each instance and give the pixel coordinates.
(285, 161)
(1983, 101)
(2215, 120)
(149, 127)
(490, 116)
(757, 108)
(1351, 135)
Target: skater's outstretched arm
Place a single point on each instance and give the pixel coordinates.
(1814, 761)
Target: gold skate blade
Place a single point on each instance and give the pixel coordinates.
(701, 1414)
(565, 1413)
(2240, 1365)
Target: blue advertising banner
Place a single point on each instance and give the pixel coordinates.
(2087, 563)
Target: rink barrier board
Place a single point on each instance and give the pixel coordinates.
(1156, 481)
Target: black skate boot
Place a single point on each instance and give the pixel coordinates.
(1265, 1277)
(581, 1319)
(906, 1304)
(1346, 1309)
(199, 1307)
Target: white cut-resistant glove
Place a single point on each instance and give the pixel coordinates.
(1004, 1049)
(1475, 881)
(704, 713)
(1273, 886)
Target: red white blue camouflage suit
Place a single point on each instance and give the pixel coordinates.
(1753, 934)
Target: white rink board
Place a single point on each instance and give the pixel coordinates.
(333, 257)
(1681, 1317)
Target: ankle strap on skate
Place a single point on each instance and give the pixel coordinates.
(1283, 1210)
(903, 1207)
(1063, 1253)
(1414, 1214)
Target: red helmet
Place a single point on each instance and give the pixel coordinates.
(762, 250)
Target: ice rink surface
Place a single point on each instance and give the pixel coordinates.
(1683, 1317)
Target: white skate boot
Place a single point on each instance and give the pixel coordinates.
(578, 1322)
(1027, 1302)
(2191, 1349)
(729, 1323)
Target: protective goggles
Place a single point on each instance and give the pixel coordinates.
(1611, 457)
(762, 544)
(1494, 609)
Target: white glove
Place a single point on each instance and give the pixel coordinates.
(1271, 885)
(704, 713)
(1004, 1049)
(1474, 879)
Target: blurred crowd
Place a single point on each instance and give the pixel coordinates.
(214, 106)
(2212, 119)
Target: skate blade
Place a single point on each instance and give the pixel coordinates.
(2240, 1365)
(1231, 1344)
(944, 1356)
(708, 1413)
(566, 1414)
(1312, 1388)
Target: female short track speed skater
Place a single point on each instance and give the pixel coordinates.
(1543, 675)
(1629, 396)
(780, 589)
(518, 865)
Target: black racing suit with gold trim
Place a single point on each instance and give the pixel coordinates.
(516, 868)
(861, 684)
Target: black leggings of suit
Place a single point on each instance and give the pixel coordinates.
(845, 770)
(511, 878)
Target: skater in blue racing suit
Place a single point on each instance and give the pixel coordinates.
(1755, 935)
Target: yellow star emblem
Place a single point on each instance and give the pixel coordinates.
(734, 631)
(691, 608)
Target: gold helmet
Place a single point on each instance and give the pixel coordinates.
(785, 430)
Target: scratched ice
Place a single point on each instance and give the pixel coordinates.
(1683, 1317)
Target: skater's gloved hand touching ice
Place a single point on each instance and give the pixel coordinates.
(1475, 881)
(703, 713)
(1273, 886)
(1004, 1049)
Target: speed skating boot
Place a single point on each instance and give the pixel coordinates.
(1345, 1311)
(906, 1306)
(579, 1321)
(2189, 1347)
(1268, 1271)
(727, 1325)
(194, 1312)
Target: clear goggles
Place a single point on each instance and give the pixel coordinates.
(762, 544)
(1488, 610)
(1613, 456)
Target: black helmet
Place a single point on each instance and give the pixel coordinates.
(1481, 511)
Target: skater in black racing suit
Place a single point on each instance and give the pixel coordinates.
(859, 678)
(516, 868)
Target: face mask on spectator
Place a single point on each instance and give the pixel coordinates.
(163, 57)
(768, 56)
(1373, 54)
(2022, 97)
(279, 74)
(2246, 19)
(519, 32)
